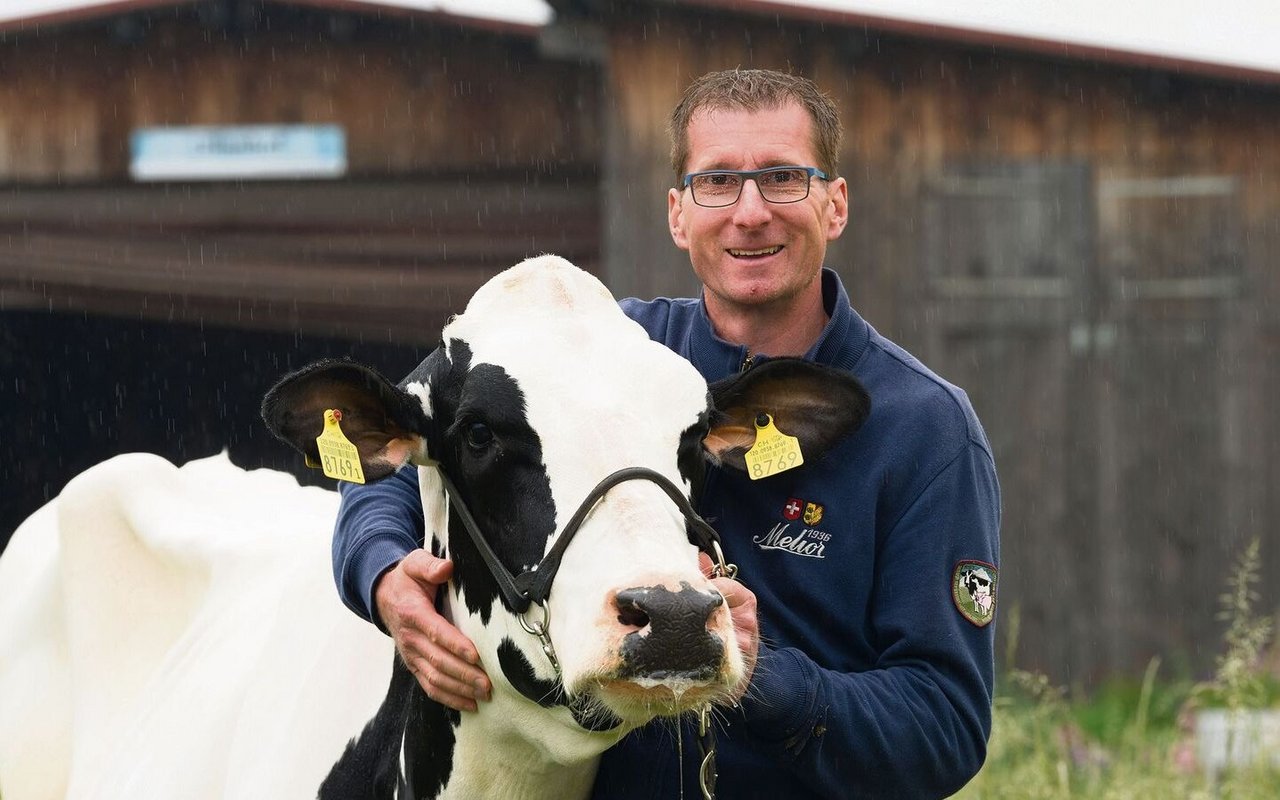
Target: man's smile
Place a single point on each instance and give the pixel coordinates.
(764, 251)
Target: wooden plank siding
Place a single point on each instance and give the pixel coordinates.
(154, 316)
(412, 98)
(377, 259)
(1117, 332)
(453, 172)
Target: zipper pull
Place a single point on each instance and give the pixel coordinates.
(747, 362)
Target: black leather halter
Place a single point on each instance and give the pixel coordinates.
(533, 585)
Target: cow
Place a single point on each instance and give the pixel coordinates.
(548, 431)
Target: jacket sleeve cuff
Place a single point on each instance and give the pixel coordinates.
(779, 707)
(374, 556)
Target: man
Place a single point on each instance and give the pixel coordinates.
(872, 678)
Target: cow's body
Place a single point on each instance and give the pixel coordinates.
(173, 632)
(191, 642)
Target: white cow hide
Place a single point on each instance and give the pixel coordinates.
(232, 676)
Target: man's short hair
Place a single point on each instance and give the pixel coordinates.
(754, 90)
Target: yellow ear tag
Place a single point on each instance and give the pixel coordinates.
(338, 456)
(773, 451)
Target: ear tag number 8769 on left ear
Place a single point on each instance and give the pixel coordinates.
(773, 452)
(338, 456)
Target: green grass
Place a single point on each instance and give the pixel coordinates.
(1127, 742)
(1132, 739)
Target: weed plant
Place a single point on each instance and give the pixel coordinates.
(1132, 741)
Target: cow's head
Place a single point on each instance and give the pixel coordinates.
(539, 390)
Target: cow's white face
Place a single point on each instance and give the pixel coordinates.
(546, 388)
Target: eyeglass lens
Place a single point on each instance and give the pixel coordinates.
(782, 185)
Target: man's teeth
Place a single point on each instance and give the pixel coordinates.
(767, 251)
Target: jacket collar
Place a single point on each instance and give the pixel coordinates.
(841, 343)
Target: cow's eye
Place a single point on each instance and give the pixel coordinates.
(478, 435)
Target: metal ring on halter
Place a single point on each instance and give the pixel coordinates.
(721, 569)
(537, 628)
(542, 630)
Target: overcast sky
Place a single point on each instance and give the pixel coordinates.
(1237, 32)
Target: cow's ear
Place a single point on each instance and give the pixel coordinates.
(387, 425)
(816, 404)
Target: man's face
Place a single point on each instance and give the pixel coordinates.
(754, 253)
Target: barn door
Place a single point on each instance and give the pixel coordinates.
(1170, 253)
(1090, 323)
(1008, 272)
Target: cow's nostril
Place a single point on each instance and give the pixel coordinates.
(631, 607)
(632, 617)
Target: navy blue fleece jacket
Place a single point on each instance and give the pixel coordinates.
(875, 674)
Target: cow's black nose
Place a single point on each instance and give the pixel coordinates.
(672, 640)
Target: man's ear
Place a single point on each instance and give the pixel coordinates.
(816, 404)
(675, 219)
(387, 424)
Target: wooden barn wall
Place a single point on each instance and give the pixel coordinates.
(384, 260)
(412, 97)
(453, 173)
(1090, 251)
(153, 316)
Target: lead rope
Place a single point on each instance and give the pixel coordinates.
(706, 731)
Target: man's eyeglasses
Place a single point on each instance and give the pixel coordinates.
(722, 187)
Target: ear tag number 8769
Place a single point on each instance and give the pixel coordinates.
(773, 451)
(338, 456)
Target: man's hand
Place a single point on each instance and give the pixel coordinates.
(444, 661)
(742, 609)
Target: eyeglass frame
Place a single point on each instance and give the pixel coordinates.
(751, 175)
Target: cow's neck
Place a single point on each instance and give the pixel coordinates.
(511, 749)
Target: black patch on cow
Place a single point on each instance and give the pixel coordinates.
(369, 768)
(520, 673)
(502, 479)
(691, 456)
(428, 746)
(691, 460)
(548, 694)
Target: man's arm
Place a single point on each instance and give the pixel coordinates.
(916, 725)
(385, 576)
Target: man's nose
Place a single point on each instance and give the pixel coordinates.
(751, 209)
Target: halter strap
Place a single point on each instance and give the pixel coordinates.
(533, 585)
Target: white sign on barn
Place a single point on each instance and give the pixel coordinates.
(262, 152)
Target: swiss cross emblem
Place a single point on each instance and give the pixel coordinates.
(791, 511)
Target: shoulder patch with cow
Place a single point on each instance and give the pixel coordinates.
(558, 449)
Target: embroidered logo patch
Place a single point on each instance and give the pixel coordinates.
(973, 588)
(791, 511)
(812, 513)
(797, 535)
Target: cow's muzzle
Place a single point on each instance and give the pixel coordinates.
(671, 640)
